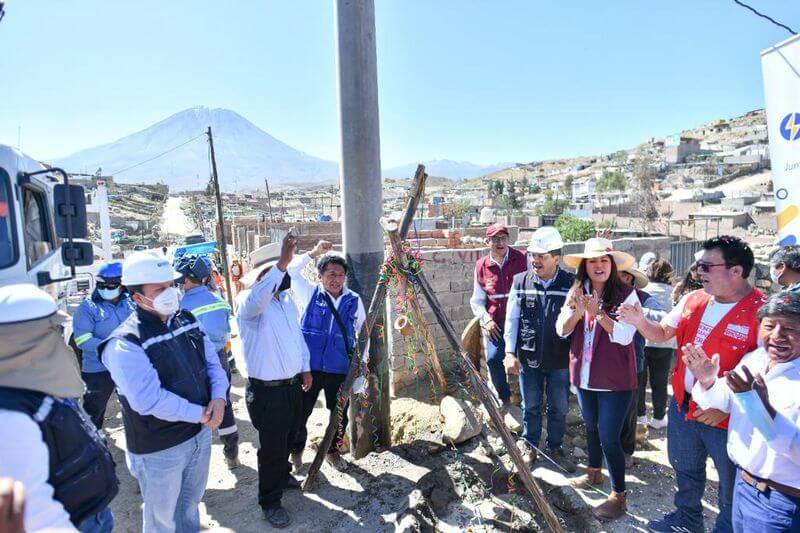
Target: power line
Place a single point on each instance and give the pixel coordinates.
(156, 157)
(772, 20)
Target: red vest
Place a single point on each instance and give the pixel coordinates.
(733, 337)
(613, 365)
(497, 281)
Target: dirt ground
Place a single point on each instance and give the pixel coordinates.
(378, 492)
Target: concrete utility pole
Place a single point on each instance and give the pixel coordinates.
(362, 201)
(269, 200)
(223, 247)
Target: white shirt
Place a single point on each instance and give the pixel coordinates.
(711, 317)
(24, 457)
(778, 459)
(622, 333)
(477, 301)
(269, 324)
(303, 291)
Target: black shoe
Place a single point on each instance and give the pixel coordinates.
(292, 483)
(277, 517)
(561, 459)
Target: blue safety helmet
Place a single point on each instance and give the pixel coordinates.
(110, 271)
(198, 267)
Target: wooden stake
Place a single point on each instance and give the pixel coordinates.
(375, 307)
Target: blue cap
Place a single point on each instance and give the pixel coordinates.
(110, 270)
(194, 266)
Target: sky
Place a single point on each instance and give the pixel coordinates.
(484, 81)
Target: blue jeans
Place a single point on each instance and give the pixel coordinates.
(767, 512)
(689, 444)
(102, 522)
(173, 482)
(604, 413)
(532, 386)
(495, 353)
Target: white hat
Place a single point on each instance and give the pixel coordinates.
(598, 247)
(698, 255)
(647, 258)
(141, 268)
(544, 240)
(640, 279)
(23, 301)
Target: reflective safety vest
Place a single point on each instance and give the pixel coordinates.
(496, 282)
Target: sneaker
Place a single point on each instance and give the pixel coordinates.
(336, 461)
(297, 460)
(561, 459)
(658, 423)
(642, 420)
(232, 461)
(277, 517)
(505, 407)
(670, 522)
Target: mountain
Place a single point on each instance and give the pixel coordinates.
(445, 168)
(245, 154)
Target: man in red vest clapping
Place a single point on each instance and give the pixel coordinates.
(720, 318)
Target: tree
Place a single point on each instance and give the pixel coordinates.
(511, 196)
(574, 229)
(456, 210)
(643, 196)
(551, 205)
(612, 181)
(570, 179)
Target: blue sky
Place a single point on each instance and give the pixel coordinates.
(481, 81)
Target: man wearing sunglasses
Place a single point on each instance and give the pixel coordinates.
(720, 318)
(98, 315)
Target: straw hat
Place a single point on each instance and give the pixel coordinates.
(640, 279)
(599, 247)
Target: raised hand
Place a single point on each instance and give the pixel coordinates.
(575, 301)
(631, 314)
(321, 248)
(761, 389)
(739, 384)
(288, 246)
(704, 368)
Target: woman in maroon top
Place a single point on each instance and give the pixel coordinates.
(602, 362)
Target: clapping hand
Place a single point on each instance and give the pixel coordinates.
(703, 368)
(592, 303)
(575, 301)
(631, 314)
(738, 385)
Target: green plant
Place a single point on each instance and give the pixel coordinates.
(612, 181)
(574, 229)
(552, 205)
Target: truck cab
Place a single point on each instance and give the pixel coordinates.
(41, 218)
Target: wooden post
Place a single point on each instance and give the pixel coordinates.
(487, 398)
(223, 247)
(376, 306)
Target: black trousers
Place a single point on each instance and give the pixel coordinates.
(330, 383)
(227, 431)
(99, 387)
(658, 365)
(628, 436)
(275, 412)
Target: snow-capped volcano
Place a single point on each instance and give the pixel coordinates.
(245, 154)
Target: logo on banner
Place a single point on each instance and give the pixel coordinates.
(790, 127)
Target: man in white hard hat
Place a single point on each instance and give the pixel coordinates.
(172, 391)
(47, 443)
(534, 349)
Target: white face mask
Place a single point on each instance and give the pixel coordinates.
(109, 294)
(168, 302)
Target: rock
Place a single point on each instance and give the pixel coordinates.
(489, 511)
(574, 419)
(513, 419)
(579, 453)
(579, 442)
(460, 422)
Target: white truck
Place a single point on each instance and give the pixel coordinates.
(42, 224)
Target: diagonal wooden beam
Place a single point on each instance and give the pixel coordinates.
(376, 305)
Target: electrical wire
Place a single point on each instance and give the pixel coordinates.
(157, 156)
(772, 20)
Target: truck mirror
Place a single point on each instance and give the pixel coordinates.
(77, 253)
(75, 211)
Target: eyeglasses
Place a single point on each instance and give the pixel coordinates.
(104, 285)
(706, 267)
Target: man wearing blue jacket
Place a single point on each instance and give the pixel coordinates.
(330, 350)
(95, 319)
(214, 315)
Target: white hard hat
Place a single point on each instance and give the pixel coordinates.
(544, 240)
(141, 268)
(23, 301)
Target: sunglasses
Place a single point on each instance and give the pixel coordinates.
(706, 267)
(103, 285)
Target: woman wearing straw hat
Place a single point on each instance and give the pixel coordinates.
(602, 362)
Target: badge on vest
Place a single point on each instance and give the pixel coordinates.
(737, 332)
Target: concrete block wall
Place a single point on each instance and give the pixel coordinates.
(450, 273)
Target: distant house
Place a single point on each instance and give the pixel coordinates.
(677, 148)
(584, 188)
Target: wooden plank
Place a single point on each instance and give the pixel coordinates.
(375, 307)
